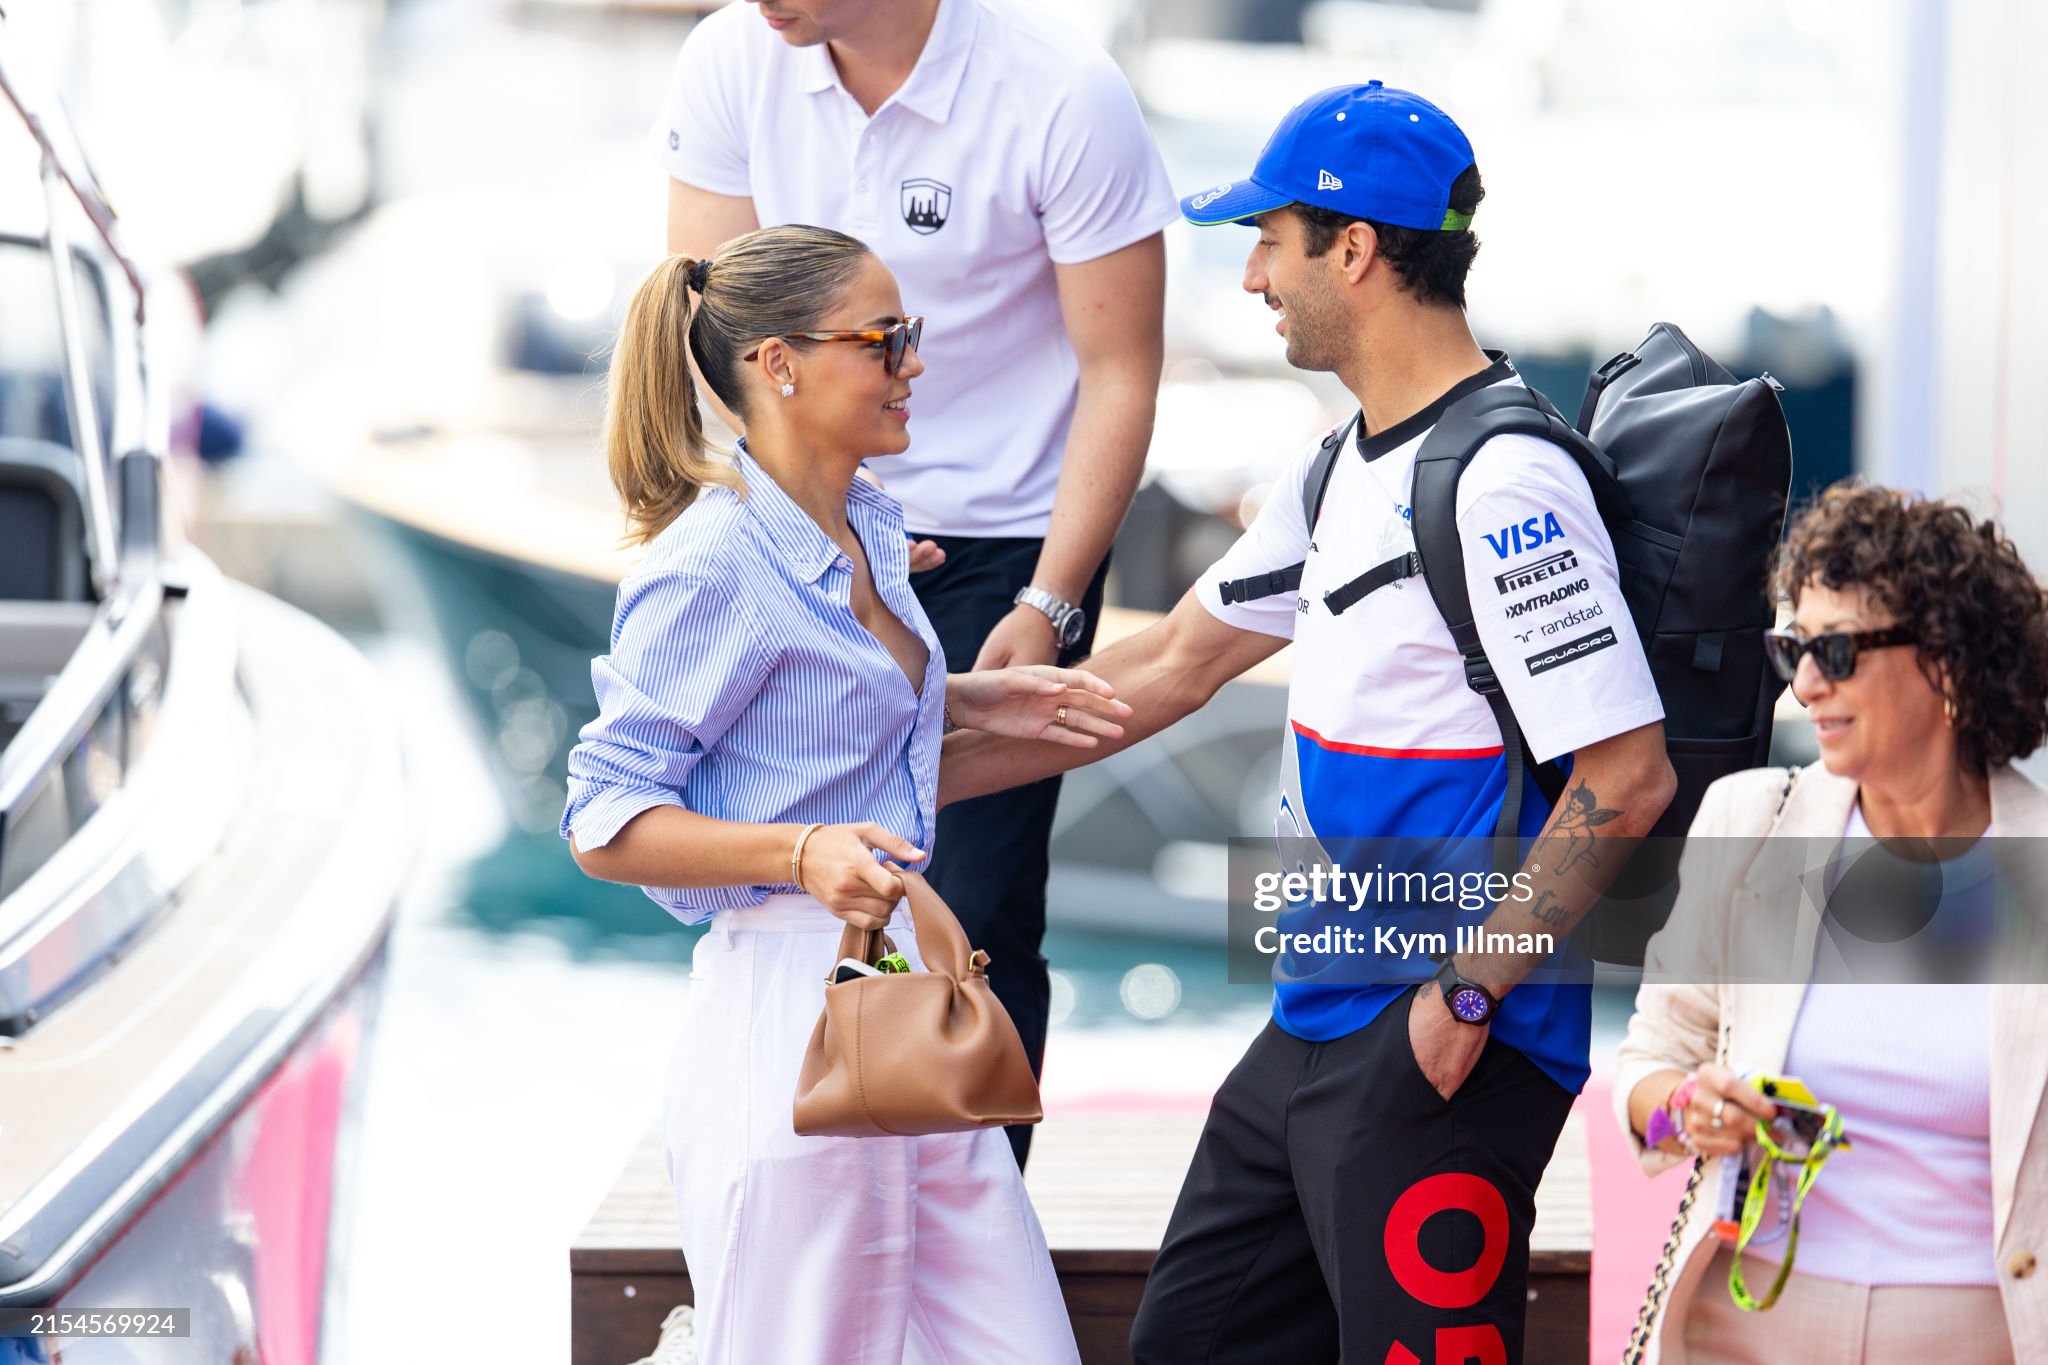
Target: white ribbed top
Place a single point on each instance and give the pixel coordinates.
(1910, 1069)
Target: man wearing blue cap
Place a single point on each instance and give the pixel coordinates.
(1430, 1084)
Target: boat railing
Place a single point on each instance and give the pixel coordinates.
(86, 721)
(69, 187)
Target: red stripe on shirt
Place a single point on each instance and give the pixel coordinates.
(1375, 751)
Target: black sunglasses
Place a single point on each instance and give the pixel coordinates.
(895, 340)
(1834, 653)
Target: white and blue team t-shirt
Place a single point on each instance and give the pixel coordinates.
(1388, 739)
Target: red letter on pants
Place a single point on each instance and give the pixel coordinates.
(1458, 1346)
(1420, 1202)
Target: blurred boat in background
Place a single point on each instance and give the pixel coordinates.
(454, 388)
(202, 831)
(240, 134)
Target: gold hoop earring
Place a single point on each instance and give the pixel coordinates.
(1948, 708)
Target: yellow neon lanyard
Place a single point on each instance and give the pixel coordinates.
(1759, 1191)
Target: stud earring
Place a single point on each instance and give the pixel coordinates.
(789, 390)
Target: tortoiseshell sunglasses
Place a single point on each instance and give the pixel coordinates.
(897, 340)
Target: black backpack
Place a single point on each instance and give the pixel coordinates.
(1690, 470)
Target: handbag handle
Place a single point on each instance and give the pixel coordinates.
(941, 942)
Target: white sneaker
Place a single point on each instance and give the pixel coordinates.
(678, 1344)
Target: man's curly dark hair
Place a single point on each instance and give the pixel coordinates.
(1980, 615)
(1430, 265)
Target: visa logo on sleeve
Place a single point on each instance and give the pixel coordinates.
(1533, 534)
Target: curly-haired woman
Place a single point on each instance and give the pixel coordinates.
(1919, 642)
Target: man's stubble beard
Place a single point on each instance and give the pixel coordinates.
(1313, 341)
(1310, 346)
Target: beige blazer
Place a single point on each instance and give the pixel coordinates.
(1682, 1025)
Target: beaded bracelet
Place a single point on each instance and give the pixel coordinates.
(1667, 1120)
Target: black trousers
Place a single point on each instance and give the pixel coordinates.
(1338, 1207)
(990, 863)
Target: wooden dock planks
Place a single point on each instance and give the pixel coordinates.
(1104, 1185)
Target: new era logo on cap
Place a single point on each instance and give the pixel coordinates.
(1326, 181)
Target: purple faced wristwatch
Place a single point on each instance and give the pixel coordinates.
(1469, 1002)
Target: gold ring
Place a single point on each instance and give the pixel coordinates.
(1059, 717)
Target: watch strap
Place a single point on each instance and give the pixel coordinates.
(1056, 610)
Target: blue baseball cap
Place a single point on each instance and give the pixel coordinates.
(1362, 150)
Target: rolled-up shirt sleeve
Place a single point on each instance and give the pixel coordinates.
(685, 660)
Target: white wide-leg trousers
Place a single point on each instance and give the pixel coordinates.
(835, 1251)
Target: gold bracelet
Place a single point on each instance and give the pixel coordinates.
(796, 857)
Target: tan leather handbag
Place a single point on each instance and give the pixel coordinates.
(915, 1052)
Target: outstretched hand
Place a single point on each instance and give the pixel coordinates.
(1038, 701)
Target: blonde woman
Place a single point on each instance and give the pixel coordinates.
(766, 755)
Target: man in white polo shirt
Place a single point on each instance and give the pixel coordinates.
(999, 164)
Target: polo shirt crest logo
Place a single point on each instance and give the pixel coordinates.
(927, 204)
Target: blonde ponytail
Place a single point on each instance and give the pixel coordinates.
(653, 428)
(776, 281)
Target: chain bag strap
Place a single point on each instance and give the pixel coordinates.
(1660, 1279)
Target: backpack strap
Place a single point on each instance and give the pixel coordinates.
(1466, 426)
(1598, 469)
(1371, 581)
(1269, 584)
(1313, 486)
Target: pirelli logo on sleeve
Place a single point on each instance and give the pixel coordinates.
(1557, 656)
(1528, 575)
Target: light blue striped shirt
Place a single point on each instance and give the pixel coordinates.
(741, 686)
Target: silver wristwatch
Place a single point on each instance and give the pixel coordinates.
(1068, 620)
